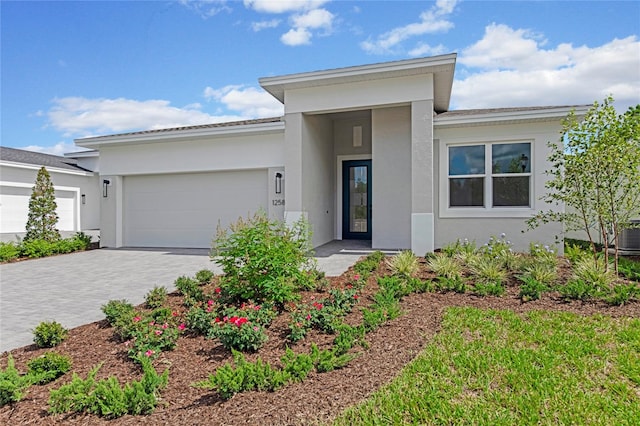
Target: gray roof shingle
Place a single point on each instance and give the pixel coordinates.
(37, 158)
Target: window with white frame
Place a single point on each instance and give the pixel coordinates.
(489, 175)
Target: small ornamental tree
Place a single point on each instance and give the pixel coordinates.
(596, 174)
(41, 224)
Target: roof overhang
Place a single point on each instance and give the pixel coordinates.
(178, 134)
(442, 67)
(506, 116)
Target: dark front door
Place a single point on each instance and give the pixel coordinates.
(356, 200)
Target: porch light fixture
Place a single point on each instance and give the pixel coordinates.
(524, 160)
(105, 185)
(84, 199)
(278, 183)
(357, 136)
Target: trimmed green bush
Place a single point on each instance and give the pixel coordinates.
(48, 367)
(48, 334)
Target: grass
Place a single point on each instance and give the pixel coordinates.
(504, 368)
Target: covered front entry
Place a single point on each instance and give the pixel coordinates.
(356, 204)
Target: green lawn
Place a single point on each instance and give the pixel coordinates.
(503, 368)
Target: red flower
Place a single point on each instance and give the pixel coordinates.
(317, 305)
(355, 296)
(217, 290)
(175, 314)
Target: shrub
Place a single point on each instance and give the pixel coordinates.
(263, 260)
(117, 309)
(623, 293)
(42, 219)
(488, 270)
(364, 267)
(48, 367)
(49, 334)
(200, 319)
(238, 333)
(459, 247)
(245, 376)
(594, 274)
(543, 272)
(83, 240)
(36, 248)
(489, 288)
(190, 289)
(500, 250)
(204, 276)
(456, 284)
(9, 251)
(578, 289)
(107, 397)
(156, 297)
(149, 337)
(531, 288)
(445, 266)
(403, 264)
(12, 384)
(629, 268)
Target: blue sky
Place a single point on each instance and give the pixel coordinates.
(77, 69)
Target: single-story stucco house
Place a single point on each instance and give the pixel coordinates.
(366, 152)
(76, 183)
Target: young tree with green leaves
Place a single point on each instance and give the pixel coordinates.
(41, 224)
(596, 174)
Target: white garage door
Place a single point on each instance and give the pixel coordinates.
(14, 209)
(183, 210)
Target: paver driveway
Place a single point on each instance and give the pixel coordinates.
(71, 288)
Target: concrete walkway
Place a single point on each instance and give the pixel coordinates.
(71, 289)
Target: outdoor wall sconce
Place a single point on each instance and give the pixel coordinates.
(278, 183)
(524, 160)
(84, 199)
(357, 136)
(105, 185)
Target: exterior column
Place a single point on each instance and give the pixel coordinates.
(111, 196)
(293, 210)
(422, 191)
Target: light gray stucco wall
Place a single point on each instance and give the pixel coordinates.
(318, 176)
(343, 136)
(391, 198)
(481, 226)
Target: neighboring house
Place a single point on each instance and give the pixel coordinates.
(369, 152)
(75, 180)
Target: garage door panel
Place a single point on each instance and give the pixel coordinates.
(183, 210)
(14, 209)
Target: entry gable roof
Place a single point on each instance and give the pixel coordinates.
(442, 67)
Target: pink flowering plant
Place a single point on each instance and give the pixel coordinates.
(262, 314)
(149, 337)
(325, 315)
(238, 333)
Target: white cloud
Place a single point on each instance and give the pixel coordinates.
(296, 37)
(431, 21)
(58, 149)
(423, 49)
(81, 117)
(263, 25)
(206, 8)
(317, 18)
(283, 6)
(517, 70)
(250, 102)
(306, 17)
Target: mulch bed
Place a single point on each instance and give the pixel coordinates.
(318, 399)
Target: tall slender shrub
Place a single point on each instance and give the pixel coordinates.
(42, 220)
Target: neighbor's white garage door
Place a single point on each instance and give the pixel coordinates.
(183, 210)
(14, 209)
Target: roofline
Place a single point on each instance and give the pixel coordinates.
(545, 114)
(82, 154)
(276, 86)
(53, 169)
(180, 133)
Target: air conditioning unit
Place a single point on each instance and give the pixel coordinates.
(629, 239)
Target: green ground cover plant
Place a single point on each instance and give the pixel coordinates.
(107, 397)
(502, 368)
(36, 248)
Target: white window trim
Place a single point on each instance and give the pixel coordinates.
(487, 211)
